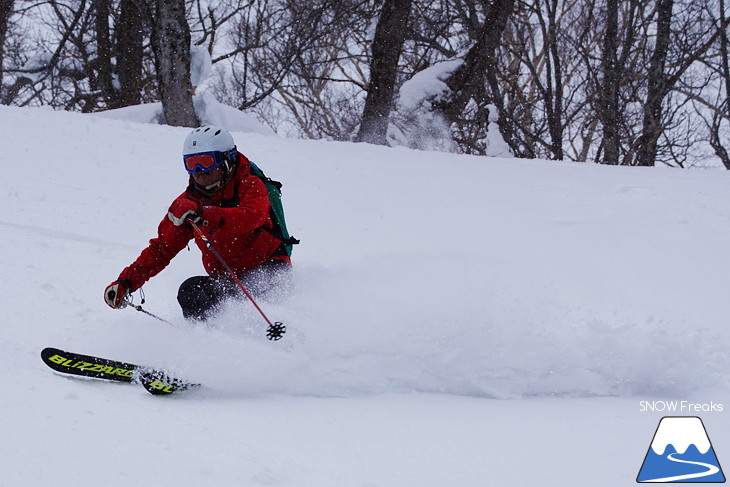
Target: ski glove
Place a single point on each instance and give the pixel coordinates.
(117, 294)
(182, 210)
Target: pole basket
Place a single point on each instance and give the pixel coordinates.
(276, 331)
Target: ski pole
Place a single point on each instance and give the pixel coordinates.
(139, 308)
(276, 329)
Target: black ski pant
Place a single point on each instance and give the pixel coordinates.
(201, 296)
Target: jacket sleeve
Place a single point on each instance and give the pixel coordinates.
(251, 213)
(169, 242)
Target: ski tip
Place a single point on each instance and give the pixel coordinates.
(50, 351)
(163, 385)
(87, 365)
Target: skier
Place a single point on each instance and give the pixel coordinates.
(231, 207)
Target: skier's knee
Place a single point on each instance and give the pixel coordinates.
(198, 298)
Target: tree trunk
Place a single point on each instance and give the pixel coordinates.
(554, 84)
(390, 35)
(609, 97)
(716, 139)
(467, 82)
(171, 44)
(130, 54)
(103, 51)
(725, 61)
(657, 90)
(6, 10)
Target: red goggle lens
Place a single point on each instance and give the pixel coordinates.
(204, 162)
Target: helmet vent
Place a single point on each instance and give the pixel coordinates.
(217, 132)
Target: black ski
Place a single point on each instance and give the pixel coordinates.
(157, 382)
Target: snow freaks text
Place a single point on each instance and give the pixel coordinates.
(683, 407)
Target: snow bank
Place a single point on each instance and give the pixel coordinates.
(209, 110)
(417, 271)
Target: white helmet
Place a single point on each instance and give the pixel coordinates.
(208, 138)
(209, 147)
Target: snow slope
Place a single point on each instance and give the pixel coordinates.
(455, 320)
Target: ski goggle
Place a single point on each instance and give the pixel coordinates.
(204, 161)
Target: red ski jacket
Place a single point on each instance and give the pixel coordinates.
(235, 220)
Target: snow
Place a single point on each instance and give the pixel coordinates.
(417, 126)
(455, 320)
(689, 430)
(209, 110)
(496, 146)
(428, 83)
(201, 66)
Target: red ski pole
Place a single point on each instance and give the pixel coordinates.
(276, 329)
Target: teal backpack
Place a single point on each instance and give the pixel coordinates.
(277, 209)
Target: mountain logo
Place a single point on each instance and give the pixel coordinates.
(681, 452)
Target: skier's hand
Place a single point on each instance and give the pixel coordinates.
(182, 210)
(117, 294)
